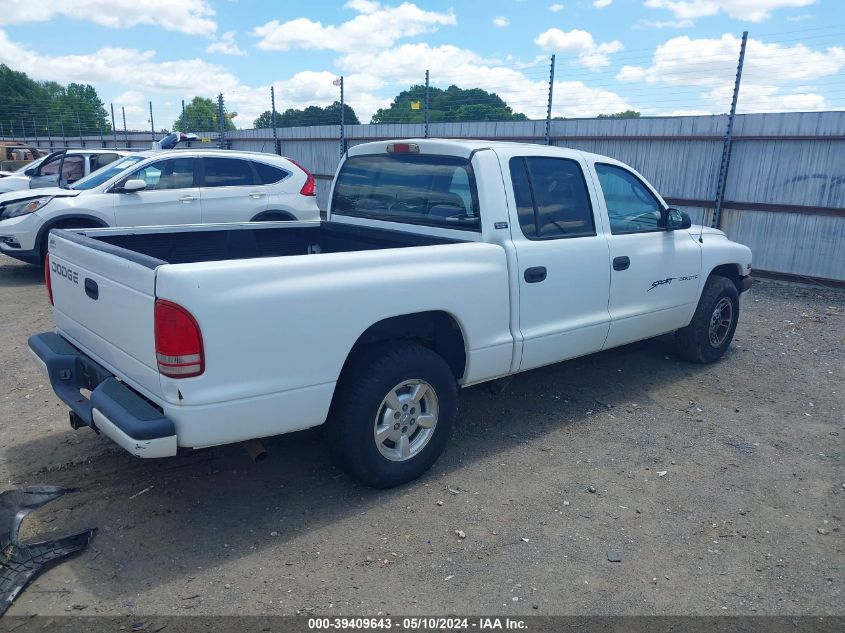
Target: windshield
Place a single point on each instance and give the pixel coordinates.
(97, 178)
(412, 188)
(35, 163)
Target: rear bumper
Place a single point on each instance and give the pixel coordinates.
(114, 409)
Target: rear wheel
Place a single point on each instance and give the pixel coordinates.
(712, 328)
(393, 413)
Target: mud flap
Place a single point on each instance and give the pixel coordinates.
(21, 562)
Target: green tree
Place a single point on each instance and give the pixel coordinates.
(627, 114)
(47, 107)
(200, 115)
(452, 104)
(312, 115)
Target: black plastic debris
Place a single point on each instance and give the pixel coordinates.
(21, 562)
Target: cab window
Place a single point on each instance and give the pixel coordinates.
(551, 197)
(631, 207)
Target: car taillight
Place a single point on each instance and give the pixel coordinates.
(310, 187)
(178, 341)
(47, 277)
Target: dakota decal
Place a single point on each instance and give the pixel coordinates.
(669, 280)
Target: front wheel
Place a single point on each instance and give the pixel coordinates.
(392, 414)
(712, 328)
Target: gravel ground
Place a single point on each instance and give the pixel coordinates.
(719, 487)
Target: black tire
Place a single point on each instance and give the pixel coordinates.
(694, 341)
(359, 401)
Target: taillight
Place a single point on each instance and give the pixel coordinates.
(178, 341)
(310, 187)
(47, 277)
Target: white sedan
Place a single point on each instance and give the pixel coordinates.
(183, 186)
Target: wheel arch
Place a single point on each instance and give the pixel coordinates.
(279, 215)
(730, 271)
(75, 220)
(436, 329)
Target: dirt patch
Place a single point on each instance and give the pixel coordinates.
(719, 489)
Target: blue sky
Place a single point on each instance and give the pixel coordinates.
(657, 56)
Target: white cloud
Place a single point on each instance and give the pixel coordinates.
(375, 26)
(664, 24)
(556, 8)
(501, 21)
(226, 45)
(800, 18)
(601, 4)
(769, 69)
(581, 43)
(750, 10)
(399, 66)
(186, 16)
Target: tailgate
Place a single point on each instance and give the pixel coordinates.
(103, 300)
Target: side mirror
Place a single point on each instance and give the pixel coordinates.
(31, 171)
(131, 186)
(677, 220)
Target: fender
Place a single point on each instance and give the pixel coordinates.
(52, 224)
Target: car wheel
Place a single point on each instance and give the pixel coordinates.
(393, 413)
(709, 334)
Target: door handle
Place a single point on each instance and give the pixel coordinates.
(256, 194)
(621, 263)
(187, 199)
(535, 274)
(91, 289)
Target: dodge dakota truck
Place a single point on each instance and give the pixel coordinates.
(442, 264)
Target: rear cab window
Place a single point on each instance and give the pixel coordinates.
(429, 190)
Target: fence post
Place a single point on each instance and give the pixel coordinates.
(125, 132)
(49, 135)
(35, 131)
(547, 136)
(221, 122)
(716, 221)
(79, 128)
(152, 125)
(342, 120)
(425, 105)
(100, 128)
(113, 126)
(64, 136)
(276, 144)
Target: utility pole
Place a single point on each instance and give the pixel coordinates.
(221, 122)
(152, 125)
(342, 120)
(547, 136)
(79, 129)
(426, 105)
(716, 221)
(113, 126)
(273, 123)
(184, 118)
(125, 132)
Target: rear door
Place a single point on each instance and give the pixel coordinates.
(171, 195)
(231, 190)
(103, 304)
(563, 259)
(655, 272)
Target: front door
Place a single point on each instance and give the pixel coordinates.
(563, 260)
(170, 197)
(654, 272)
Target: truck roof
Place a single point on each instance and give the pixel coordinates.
(461, 147)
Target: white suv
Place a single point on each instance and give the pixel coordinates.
(183, 186)
(58, 169)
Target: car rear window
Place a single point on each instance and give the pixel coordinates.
(417, 189)
(269, 174)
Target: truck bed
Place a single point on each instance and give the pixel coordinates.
(247, 241)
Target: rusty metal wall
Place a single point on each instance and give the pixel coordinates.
(791, 163)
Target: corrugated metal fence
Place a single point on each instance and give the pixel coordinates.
(785, 195)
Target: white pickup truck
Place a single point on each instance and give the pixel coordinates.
(442, 264)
